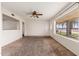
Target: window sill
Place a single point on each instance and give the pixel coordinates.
(76, 40)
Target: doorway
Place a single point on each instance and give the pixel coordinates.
(22, 29)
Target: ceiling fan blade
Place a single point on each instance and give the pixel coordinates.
(39, 14)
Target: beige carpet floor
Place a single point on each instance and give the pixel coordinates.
(35, 46)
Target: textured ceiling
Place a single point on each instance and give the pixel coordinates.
(48, 9)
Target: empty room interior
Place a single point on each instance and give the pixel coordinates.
(39, 28)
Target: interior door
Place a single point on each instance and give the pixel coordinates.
(23, 29)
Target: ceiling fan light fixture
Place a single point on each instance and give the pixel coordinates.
(35, 14)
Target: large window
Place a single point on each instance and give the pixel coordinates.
(68, 28)
(10, 23)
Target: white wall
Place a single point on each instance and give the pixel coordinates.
(35, 27)
(9, 36)
(71, 44)
(0, 17)
(0, 27)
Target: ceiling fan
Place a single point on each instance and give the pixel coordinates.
(36, 14)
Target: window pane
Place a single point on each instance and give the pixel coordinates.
(75, 29)
(61, 28)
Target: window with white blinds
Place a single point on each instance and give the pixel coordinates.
(10, 23)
